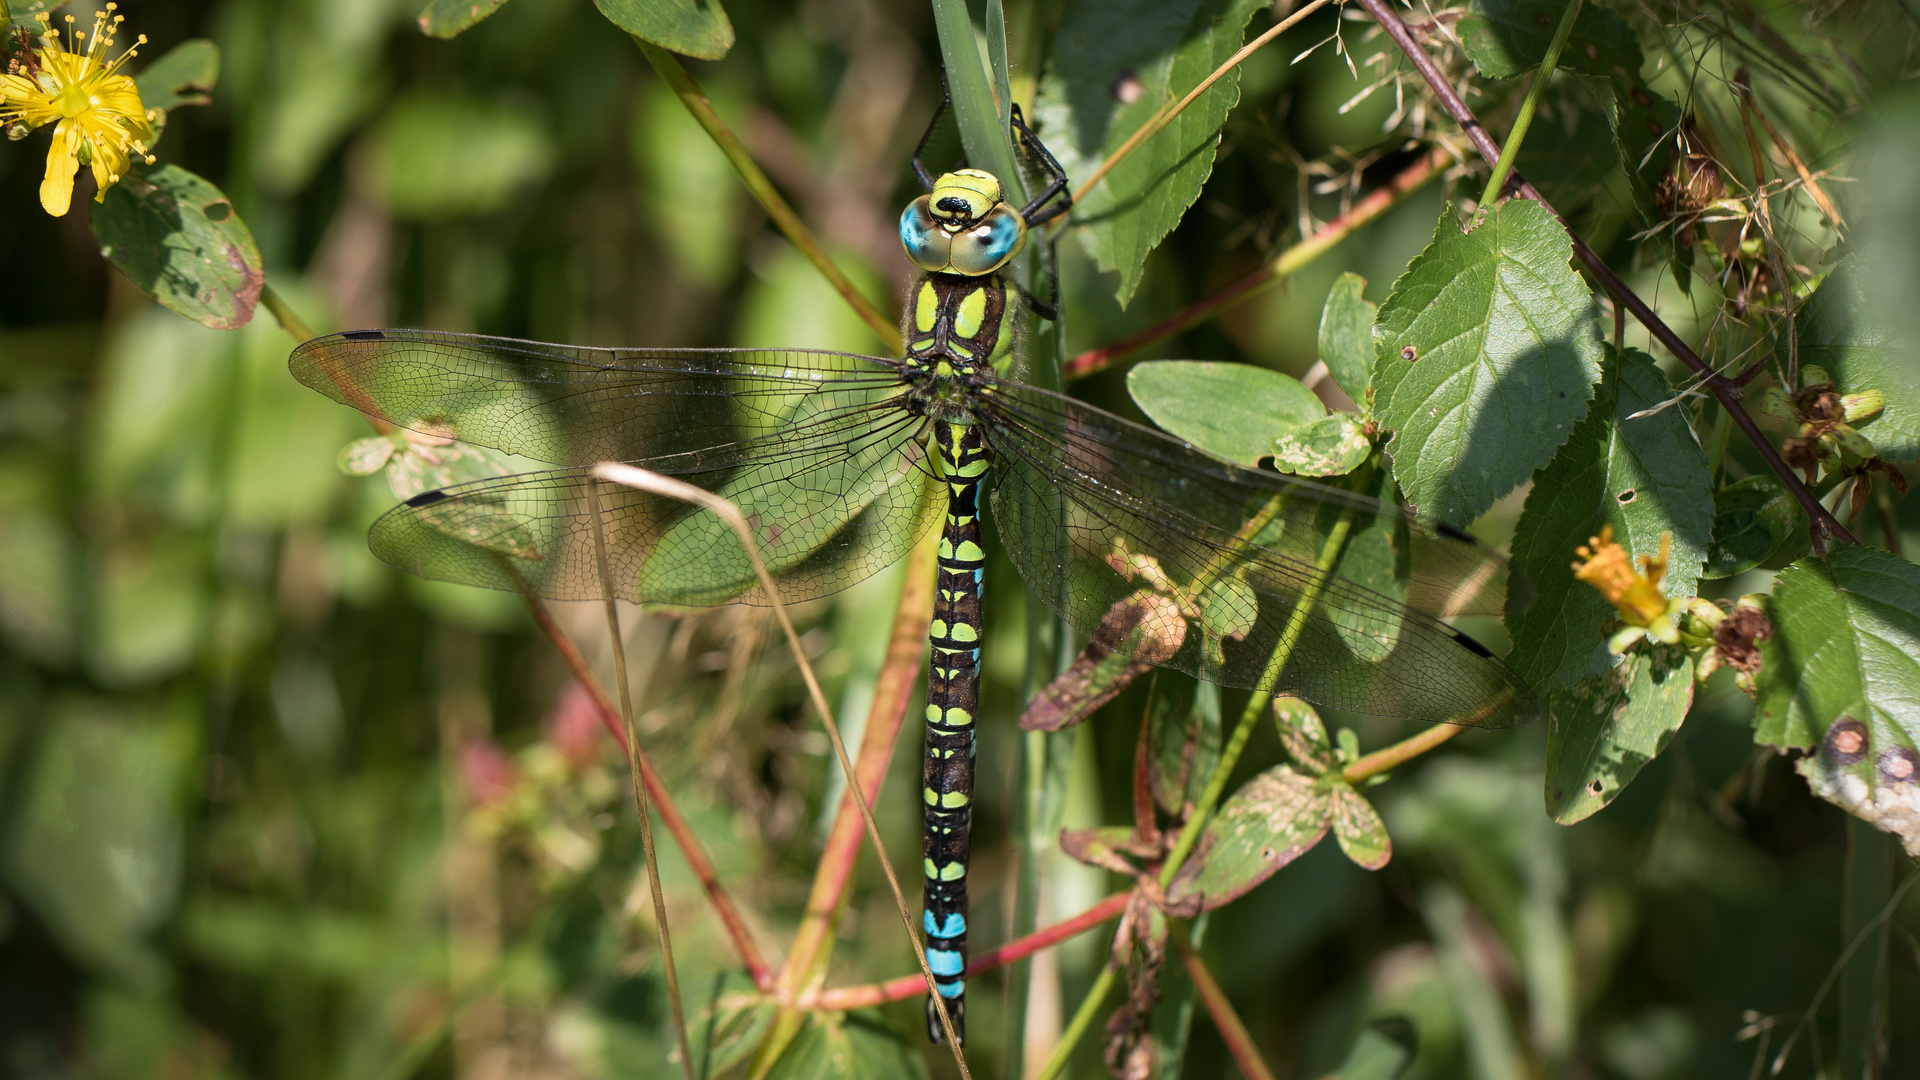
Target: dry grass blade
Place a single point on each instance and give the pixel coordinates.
(617, 642)
(678, 489)
(1160, 120)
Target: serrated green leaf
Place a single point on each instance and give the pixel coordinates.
(1506, 37)
(1606, 728)
(450, 18)
(854, 1046)
(1644, 477)
(1839, 331)
(1234, 411)
(1357, 825)
(184, 75)
(1346, 337)
(177, 238)
(1488, 351)
(1842, 670)
(1167, 48)
(696, 28)
(1753, 521)
(1333, 445)
(1272, 820)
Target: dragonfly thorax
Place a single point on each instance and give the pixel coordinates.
(963, 226)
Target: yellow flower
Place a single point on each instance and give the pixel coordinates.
(98, 118)
(1636, 595)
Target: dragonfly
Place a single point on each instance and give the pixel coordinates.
(843, 462)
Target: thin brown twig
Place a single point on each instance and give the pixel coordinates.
(1376, 203)
(728, 512)
(617, 642)
(906, 986)
(1823, 521)
(1161, 119)
(690, 848)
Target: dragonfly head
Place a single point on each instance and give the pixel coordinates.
(964, 226)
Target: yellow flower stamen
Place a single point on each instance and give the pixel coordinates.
(97, 115)
(1636, 595)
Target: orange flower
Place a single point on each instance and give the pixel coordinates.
(1635, 594)
(99, 120)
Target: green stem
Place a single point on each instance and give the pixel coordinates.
(1511, 150)
(668, 68)
(1082, 1020)
(284, 314)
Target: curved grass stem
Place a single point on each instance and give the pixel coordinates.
(726, 511)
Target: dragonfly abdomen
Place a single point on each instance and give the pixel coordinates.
(953, 700)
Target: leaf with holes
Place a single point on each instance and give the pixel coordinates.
(1346, 337)
(1272, 820)
(1644, 477)
(1842, 671)
(1606, 728)
(1506, 37)
(176, 237)
(1839, 330)
(1114, 67)
(1334, 445)
(1488, 351)
(1234, 411)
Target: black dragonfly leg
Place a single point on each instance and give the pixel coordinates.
(1037, 212)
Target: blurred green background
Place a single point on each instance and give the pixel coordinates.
(269, 808)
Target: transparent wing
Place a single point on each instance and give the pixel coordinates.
(814, 447)
(572, 405)
(830, 501)
(1096, 512)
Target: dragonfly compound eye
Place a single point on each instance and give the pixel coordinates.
(928, 245)
(987, 246)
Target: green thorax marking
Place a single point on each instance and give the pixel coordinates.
(961, 326)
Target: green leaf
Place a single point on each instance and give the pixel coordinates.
(1639, 121)
(1346, 337)
(1840, 330)
(1233, 411)
(1167, 48)
(1489, 348)
(1333, 445)
(854, 1046)
(1357, 825)
(1753, 521)
(435, 157)
(449, 18)
(1272, 820)
(1644, 477)
(185, 75)
(1383, 1051)
(1506, 37)
(1176, 726)
(1376, 558)
(177, 238)
(696, 28)
(1606, 728)
(1842, 670)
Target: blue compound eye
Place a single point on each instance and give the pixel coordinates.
(987, 246)
(927, 244)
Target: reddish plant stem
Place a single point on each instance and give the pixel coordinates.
(1399, 753)
(813, 939)
(1723, 389)
(1375, 203)
(696, 856)
(906, 986)
(1225, 1020)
